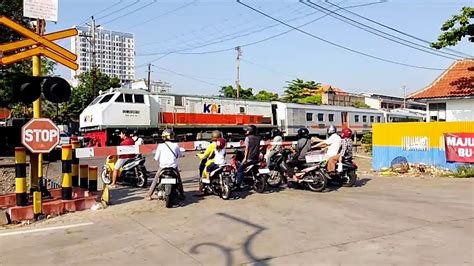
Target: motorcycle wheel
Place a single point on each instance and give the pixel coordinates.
(274, 179)
(168, 196)
(142, 178)
(350, 179)
(225, 193)
(319, 181)
(106, 178)
(260, 183)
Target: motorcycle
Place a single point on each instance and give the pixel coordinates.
(133, 171)
(255, 174)
(167, 190)
(347, 177)
(277, 174)
(219, 181)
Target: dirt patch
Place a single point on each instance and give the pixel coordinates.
(7, 180)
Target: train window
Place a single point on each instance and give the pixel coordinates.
(119, 99)
(139, 98)
(331, 117)
(178, 100)
(320, 117)
(364, 119)
(309, 116)
(372, 119)
(242, 110)
(106, 98)
(128, 98)
(95, 100)
(356, 118)
(379, 119)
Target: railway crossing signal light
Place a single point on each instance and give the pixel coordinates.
(27, 89)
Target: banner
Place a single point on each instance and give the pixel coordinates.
(459, 147)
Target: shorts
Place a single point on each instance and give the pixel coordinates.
(119, 163)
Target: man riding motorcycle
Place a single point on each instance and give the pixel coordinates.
(126, 140)
(299, 151)
(332, 143)
(275, 136)
(345, 152)
(251, 153)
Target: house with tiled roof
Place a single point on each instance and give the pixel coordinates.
(451, 96)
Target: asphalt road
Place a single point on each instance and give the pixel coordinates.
(382, 221)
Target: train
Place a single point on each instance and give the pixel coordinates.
(192, 116)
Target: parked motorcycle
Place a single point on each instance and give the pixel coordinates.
(255, 174)
(219, 181)
(167, 190)
(133, 171)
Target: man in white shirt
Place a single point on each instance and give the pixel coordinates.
(166, 155)
(138, 141)
(333, 142)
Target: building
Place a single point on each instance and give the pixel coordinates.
(385, 102)
(114, 52)
(155, 86)
(335, 96)
(451, 96)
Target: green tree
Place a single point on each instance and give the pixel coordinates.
(298, 89)
(314, 99)
(266, 96)
(230, 92)
(456, 28)
(360, 105)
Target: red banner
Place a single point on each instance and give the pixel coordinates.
(459, 147)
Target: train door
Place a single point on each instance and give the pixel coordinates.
(344, 120)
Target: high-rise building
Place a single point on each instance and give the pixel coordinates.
(114, 52)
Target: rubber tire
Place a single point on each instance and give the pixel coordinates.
(275, 184)
(352, 179)
(319, 188)
(106, 178)
(168, 196)
(260, 183)
(226, 190)
(144, 181)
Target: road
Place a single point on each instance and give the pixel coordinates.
(385, 220)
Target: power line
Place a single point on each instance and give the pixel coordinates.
(393, 29)
(116, 11)
(335, 44)
(187, 76)
(366, 28)
(163, 14)
(131, 12)
(100, 11)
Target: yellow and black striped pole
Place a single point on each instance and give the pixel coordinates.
(66, 156)
(83, 176)
(75, 163)
(93, 178)
(20, 174)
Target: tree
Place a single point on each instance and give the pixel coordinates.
(456, 28)
(360, 105)
(314, 99)
(298, 89)
(229, 92)
(266, 96)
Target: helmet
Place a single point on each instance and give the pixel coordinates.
(134, 133)
(275, 132)
(250, 130)
(346, 133)
(303, 132)
(167, 134)
(221, 143)
(215, 135)
(332, 129)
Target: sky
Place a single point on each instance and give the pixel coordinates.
(191, 43)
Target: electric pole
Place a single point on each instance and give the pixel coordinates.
(237, 82)
(148, 81)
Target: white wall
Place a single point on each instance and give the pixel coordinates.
(373, 103)
(460, 110)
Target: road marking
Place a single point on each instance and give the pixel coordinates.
(44, 229)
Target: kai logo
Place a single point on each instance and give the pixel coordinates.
(212, 108)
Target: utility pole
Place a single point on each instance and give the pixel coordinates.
(94, 67)
(404, 96)
(237, 82)
(149, 81)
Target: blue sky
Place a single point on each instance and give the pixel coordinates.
(161, 27)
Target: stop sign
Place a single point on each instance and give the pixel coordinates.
(40, 135)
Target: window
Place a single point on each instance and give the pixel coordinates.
(356, 118)
(242, 110)
(178, 100)
(96, 100)
(320, 117)
(309, 116)
(364, 119)
(119, 99)
(379, 119)
(437, 111)
(129, 98)
(106, 98)
(372, 119)
(139, 98)
(331, 117)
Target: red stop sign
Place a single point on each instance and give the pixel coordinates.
(40, 135)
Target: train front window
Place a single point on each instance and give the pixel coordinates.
(129, 98)
(106, 98)
(139, 98)
(96, 100)
(119, 99)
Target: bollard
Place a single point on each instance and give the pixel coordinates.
(37, 206)
(20, 176)
(66, 156)
(83, 176)
(92, 178)
(75, 163)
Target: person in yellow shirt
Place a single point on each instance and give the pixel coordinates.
(207, 157)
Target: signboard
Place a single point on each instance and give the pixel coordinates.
(42, 9)
(459, 147)
(40, 135)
